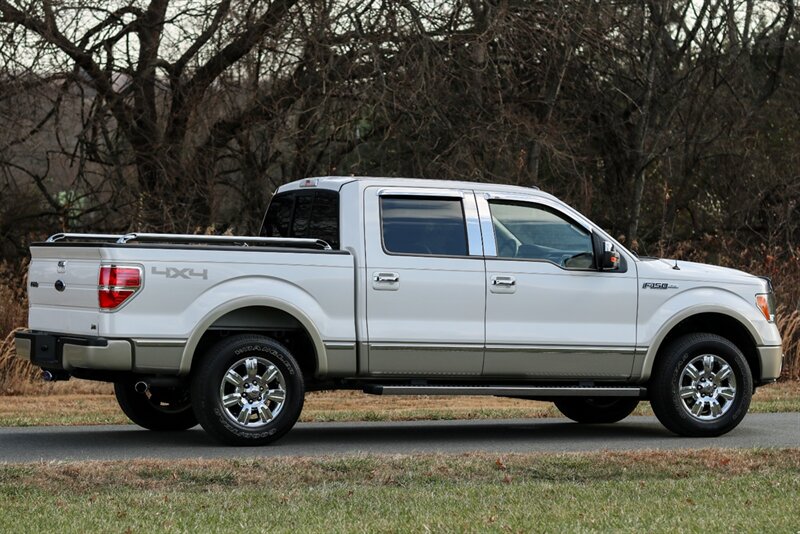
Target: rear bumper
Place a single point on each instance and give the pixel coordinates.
(771, 359)
(55, 351)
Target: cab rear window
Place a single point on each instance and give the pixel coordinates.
(309, 214)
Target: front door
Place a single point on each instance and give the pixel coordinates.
(425, 282)
(549, 313)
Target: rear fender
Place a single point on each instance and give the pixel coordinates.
(268, 293)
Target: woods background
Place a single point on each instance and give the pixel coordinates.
(673, 124)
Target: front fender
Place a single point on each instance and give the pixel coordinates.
(655, 322)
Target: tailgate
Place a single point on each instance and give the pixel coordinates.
(62, 289)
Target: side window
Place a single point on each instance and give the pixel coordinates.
(423, 225)
(311, 214)
(531, 232)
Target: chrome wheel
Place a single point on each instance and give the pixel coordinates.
(252, 392)
(707, 387)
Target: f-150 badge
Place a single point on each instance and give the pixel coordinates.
(174, 272)
(658, 285)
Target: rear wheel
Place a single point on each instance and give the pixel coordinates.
(248, 390)
(596, 410)
(701, 386)
(161, 410)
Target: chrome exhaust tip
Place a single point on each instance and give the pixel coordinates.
(141, 387)
(54, 376)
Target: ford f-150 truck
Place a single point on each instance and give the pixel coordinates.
(398, 287)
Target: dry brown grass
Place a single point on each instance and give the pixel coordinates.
(789, 324)
(14, 373)
(322, 401)
(62, 410)
(380, 470)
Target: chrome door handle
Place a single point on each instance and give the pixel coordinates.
(505, 281)
(386, 277)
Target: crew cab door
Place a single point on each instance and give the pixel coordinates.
(425, 282)
(549, 313)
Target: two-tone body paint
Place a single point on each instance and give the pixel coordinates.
(442, 318)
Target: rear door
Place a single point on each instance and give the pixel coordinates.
(426, 282)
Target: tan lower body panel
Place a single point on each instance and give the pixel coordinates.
(558, 362)
(158, 355)
(116, 356)
(341, 358)
(771, 359)
(388, 359)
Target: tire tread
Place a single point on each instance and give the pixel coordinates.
(668, 365)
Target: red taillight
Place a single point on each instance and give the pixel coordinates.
(120, 276)
(111, 298)
(116, 285)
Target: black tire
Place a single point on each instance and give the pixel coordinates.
(669, 377)
(596, 410)
(209, 387)
(162, 411)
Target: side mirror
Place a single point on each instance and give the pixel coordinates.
(610, 258)
(606, 258)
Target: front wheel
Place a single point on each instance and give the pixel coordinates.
(159, 410)
(248, 390)
(596, 410)
(701, 386)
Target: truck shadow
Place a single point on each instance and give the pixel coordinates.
(479, 433)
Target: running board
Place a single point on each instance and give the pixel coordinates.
(510, 391)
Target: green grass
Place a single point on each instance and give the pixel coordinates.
(703, 491)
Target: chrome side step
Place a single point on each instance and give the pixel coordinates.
(510, 391)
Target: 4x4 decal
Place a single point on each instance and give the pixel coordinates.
(174, 272)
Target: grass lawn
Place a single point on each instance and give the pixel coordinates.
(98, 406)
(700, 491)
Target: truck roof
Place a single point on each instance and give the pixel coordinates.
(336, 183)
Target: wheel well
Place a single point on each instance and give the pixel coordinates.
(277, 324)
(722, 325)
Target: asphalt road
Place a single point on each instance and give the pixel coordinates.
(316, 439)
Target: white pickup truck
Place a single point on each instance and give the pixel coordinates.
(398, 287)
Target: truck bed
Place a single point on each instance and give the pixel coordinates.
(185, 289)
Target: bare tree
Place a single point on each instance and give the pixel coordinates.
(147, 74)
(180, 115)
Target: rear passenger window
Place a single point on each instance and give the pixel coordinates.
(309, 214)
(422, 225)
